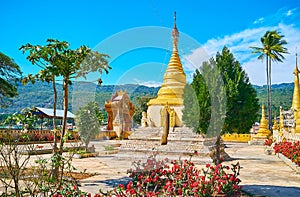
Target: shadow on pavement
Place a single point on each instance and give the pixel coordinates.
(112, 183)
(272, 191)
(246, 159)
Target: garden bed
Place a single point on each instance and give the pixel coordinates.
(289, 162)
(49, 151)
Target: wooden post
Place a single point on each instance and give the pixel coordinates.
(166, 127)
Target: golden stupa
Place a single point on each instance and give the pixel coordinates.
(295, 128)
(296, 98)
(171, 91)
(263, 131)
(296, 95)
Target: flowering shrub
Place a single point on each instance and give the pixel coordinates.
(70, 190)
(268, 142)
(180, 178)
(289, 149)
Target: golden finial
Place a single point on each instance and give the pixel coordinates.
(297, 61)
(175, 34)
(263, 110)
(175, 17)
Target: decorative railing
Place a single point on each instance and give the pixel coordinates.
(236, 137)
(34, 135)
(285, 136)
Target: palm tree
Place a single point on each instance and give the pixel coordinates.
(273, 50)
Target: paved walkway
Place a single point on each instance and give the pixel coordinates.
(261, 174)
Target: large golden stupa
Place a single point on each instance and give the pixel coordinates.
(290, 120)
(171, 91)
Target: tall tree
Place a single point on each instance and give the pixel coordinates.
(9, 74)
(69, 64)
(196, 100)
(41, 56)
(272, 49)
(226, 99)
(242, 104)
(209, 94)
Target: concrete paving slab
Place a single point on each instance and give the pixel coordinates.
(261, 174)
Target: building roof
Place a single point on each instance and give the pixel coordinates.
(48, 113)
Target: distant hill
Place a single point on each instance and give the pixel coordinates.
(41, 94)
(282, 95)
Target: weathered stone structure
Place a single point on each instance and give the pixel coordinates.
(120, 111)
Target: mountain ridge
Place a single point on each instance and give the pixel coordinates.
(40, 94)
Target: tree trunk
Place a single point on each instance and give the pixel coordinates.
(54, 105)
(55, 170)
(269, 93)
(66, 95)
(164, 137)
(270, 97)
(218, 144)
(86, 146)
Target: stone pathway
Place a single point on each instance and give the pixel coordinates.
(261, 174)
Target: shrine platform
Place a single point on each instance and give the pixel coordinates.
(182, 144)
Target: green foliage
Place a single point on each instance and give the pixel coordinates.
(140, 104)
(191, 109)
(67, 63)
(9, 75)
(88, 121)
(282, 95)
(217, 94)
(25, 118)
(224, 93)
(242, 103)
(208, 90)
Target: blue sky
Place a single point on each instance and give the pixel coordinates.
(137, 34)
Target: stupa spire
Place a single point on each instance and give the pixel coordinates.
(296, 95)
(175, 34)
(171, 90)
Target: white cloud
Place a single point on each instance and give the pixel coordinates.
(260, 20)
(290, 12)
(239, 44)
(194, 60)
(147, 83)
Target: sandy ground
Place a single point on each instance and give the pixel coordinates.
(261, 174)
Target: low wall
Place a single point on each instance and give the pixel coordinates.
(110, 135)
(285, 136)
(236, 137)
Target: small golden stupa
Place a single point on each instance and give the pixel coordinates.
(171, 91)
(290, 123)
(296, 95)
(275, 124)
(296, 98)
(263, 131)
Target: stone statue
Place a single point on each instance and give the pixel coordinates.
(144, 121)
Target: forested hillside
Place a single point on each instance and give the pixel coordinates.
(41, 94)
(282, 95)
